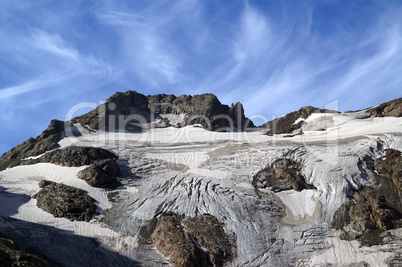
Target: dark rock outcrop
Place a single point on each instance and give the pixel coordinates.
(11, 256)
(73, 156)
(282, 174)
(365, 216)
(46, 141)
(370, 211)
(134, 108)
(199, 241)
(390, 166)
(373, 210)
(286, 124)
(391, 108)
(100, 173)
(209, 234)
(65, 201)
(173, 242)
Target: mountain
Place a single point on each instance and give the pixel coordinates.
(188, 181)
(166, 110)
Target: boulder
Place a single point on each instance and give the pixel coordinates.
(65, 201)
(100, 173)
(282, 174)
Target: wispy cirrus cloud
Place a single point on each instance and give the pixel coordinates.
(274, 56)
(288, 63)
(59, 65)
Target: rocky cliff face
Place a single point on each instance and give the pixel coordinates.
(203, 109)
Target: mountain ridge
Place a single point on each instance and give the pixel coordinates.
(324, 190)
(49, 138)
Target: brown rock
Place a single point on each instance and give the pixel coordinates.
(199, 241)
(173, 242)
(391, 108)
(65, 201)
(286, 124)
(209, 234)
(366, 213)
(100, 173)
(390, 166)
(282, 174)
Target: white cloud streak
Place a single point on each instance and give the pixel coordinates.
(61, 66)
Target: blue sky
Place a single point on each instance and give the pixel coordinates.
(273, 56)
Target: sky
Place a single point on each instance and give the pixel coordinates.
(273, 56)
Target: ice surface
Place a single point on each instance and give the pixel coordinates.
(193, 171)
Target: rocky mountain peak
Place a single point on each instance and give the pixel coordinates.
(204, 109)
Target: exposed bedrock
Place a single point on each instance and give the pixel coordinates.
(11, 256)
(131, 107)
(365, 216)
(73, 156)
(65, 201)
(46, 141)
(286, 124)
(100, 172)
(282, 174)
(199, 241)
(375, 209)
(391, 108)
(390, 166)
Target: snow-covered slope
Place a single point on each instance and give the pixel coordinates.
(193, 171)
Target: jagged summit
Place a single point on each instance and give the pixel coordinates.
(133, 111)
(165, 110)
